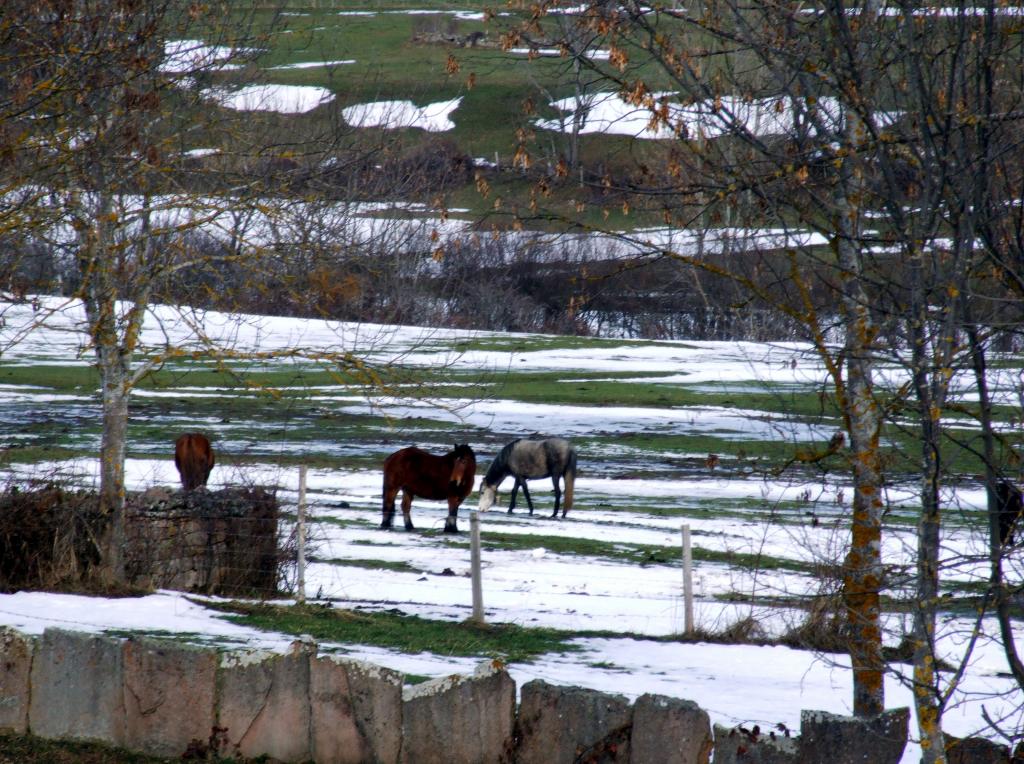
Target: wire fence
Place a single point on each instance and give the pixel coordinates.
(219, 542)
(273, 542)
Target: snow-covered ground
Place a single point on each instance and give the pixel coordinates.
(729, 513)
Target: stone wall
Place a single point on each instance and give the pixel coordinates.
(215, 542)
(164, 698)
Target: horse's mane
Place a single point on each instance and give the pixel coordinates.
(463, 451)
(499, 467)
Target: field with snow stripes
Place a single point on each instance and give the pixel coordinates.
(645, 417)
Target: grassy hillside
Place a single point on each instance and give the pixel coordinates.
(376, 51)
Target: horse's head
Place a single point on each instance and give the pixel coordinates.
(464, 467)
(488, 493)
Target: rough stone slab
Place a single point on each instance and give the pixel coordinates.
(460, 718)
(168, 695)
(16, 651)
(78, 688)
(263, 706)
(557, 725)
(356, 711)
(738, 745)
(975, 750)
(852, 740)
(669, 731)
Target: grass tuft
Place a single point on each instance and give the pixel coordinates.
(406, 633)
(28, 749)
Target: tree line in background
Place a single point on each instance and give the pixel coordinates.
(507, 282)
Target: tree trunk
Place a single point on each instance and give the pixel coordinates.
(993, 473)
(997, 584)
(926, 698)
(112, 455)
(929, 360)
(579, 115)
(862, 578)
(113, 360)
(862, 572)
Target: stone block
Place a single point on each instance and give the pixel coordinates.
(16, 651)
(742, 746)
(558, 725)
(670, 731)
(263, 703)
(975, 750)
(168, 695)
(460, 718)
(739, 745)
(217, 542)
(356, 711)
(78, 688)
(853, 740)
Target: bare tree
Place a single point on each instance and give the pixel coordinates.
(879, 145)
(100, 102)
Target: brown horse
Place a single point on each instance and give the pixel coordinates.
(193, 457)
(417, 473)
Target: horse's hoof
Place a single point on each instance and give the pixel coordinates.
(385, 526)
(450, 529)
(409, 527)
(510, 511)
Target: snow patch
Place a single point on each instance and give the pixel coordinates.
(393, 115)
(284, 99)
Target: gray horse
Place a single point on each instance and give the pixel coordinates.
(526, 459)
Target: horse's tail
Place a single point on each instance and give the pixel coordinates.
(570, 477)
(193, 456)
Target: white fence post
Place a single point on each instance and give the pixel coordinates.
(474, 561)
(687, 582)
(300, 539)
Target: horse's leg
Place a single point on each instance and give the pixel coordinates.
(512, 500)
(453, 512)
(407, 508)
(388, 507)
(558, 494)
(526, 493)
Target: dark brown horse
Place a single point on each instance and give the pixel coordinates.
(417, 473)
(193, 456)
(1010, 509)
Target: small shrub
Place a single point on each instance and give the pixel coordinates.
(743, 632)
(49, 538)
(823, 628)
